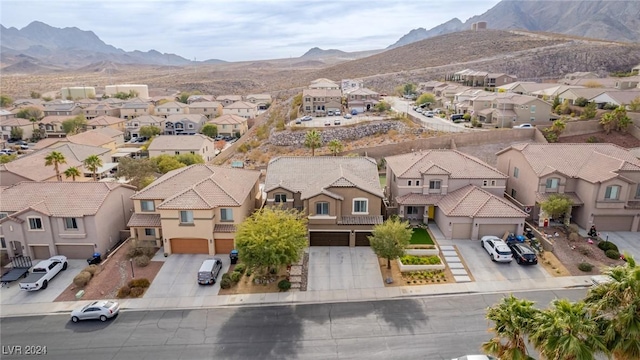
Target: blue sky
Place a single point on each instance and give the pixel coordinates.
(242, 30)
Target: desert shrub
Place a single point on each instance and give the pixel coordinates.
(82, 279)
(123, 292)
(135, 251)
(235, 276)
(142, 260)
(609, 106)
(141, 283)
(582, 102)
(574, 236)
(248, 272)
(573, 228)
(136, 292)
(149, 251)
(584, 266)
(225, 283)
(226, 276)
(607, 245)
(612, 254)
(91, 269)
(585, 251)
(284, 285)
(240, 268)
(593, 139)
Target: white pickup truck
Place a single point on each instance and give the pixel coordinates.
(43, 272)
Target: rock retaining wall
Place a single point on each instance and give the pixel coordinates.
(289, 138)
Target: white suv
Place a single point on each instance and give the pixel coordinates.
(497, 249)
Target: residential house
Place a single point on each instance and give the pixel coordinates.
(195, 209)
(463, 195)
(347, 85)
(52, 125)
(636, 69)
(133, 126)
(525, 87)
(66, 108)
(115, 134)
(509, 111)
(97, 138)
(602, 180)
(210, 109)
(74, 219)
(6, 114)
(104, 121)
(243, 109)
(8, 124)
(617, 98)
(362, 99)
(101, 109)
(200, 98)
(324, 83)
(172, 108)
(628, 83)
(136, 107)
(340, 196)
(475, 78)
(552, 92)
(573, 94)
(462, 100)
(262, 101)
(580, 75)
(184, 124)
(493, 80)
(608, 82)
(430, 86)
(226, 100)
(183, 144)
(318, 101)
(21, 103)
(230, 125)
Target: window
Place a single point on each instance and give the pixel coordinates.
(190, 126)
(417, 182)
(322, 208)
(612, 192)
(150, 232)
(70, 224)
(533, 109)
(513, 193)
(434, 185)
(281, 198)
(637, 197)
(177, 152)
(516, 172)
(412, 210)
(360, 206)
(35, 224)
(3, 243)
(4, 215)
(226, 214)
(553, 183)
(409, 183)
(186, 217)
(485, 182)
(147, 205)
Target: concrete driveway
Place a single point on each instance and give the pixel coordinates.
(179, 274)
(626, 241)
(13, 294)
(343, 268)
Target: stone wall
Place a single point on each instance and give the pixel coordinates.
(288, 137)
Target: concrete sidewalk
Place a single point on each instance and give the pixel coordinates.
(306, 297)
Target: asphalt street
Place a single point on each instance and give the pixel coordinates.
(438, 327)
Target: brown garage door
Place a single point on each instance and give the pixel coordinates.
(613, 223)
(461, 231)
(362, 238)
(329, 239)
(496, 229)
(75, 251)
(40, 252)
(189, 246)
(224, 246)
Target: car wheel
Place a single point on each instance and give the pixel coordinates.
(492, 258)
(518, 260)
(103, 318)
(64, 266)
(45, 284)
(75, 319)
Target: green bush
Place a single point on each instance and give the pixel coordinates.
(248, 272)
(420, 260)
(607, 245)
(123, 292)
(225, 283)
(136, 292)
(574, 236)
(226, 276)
(584, 266)
(142, 260)
(284, 285)
(91, 269)
(82, 279)
(240, 268)
(612, 254)
(235, 276)
(141, 283)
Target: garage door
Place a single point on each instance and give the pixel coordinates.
(362, 238)
(496, 229)
(75, 251)
(329, 239)
(40, 252)
(461, 231)
(613, 223)
(224, 246)
(189, 246)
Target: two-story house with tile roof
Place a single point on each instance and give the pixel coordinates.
(230, 125)
(210, 109)
(195, 209)
(133, 125)
(318, 102)
(243, 109)
(103, 121)
(341, 196)
(8, 124)
(136, 107)
(462, 194)
(172, 108)
(75, 219)
(101, 109)
(227, 100)
(67, 108)
(602, 180)
(362, 99)
(183, 144)
(184, 124)
(262, 101)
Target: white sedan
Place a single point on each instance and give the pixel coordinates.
(497, 249)
(102, 310)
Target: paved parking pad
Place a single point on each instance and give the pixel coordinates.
(625, 240)
(343, 268)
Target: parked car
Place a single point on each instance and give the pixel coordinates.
(307, 118)
(457, 117)
(103, 310)
(523, 253)
(337, 113)
(44, 272)
(336, 122)
(24, 147)
(523, 126)
(327, 123)
(209, 271)
(21, 142)
(428, 113)
(330, 113)
(354, 112)
(8, 151)
(497, 249)
(298, 121)
(347, 116)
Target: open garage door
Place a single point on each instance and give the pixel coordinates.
(75, 251)
(319, 238)
(496, 229)
(613, 223)
(40, 252)
(224, 246)
(189, 246)
(362, 238)
(461, 231)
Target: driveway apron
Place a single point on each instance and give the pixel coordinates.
(343, 268)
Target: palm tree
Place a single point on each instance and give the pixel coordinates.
(92, 163)
(72, 172)
(514, 320)
(55, 158)
(567, 331)
(313, 140)
(335, 146)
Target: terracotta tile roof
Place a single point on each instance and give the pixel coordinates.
(55, 119)
(91, 138)
(180, 142)
(542, 197)
(229, 97)
(241, 105)
(472, 201)
(322, 92)
(201, 187)
(314, 175)
(228, 119)
(59, 199)
(104, 120)
(455, 163)
(196, 118)
(110, 132)
(45, 143)
(172, 105)
(361, 220)
(623, 97)
(224, 228)
(204, 104)
(148, 120)
(15, 122)
(419, 199)
(266, 97)
(144, 220)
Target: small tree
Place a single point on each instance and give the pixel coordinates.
(5, 101)
(35, 95)
(556, 102)
(382, 106)
(582, 102)
(616, 120)
(93, 163)
(209, 130)
(390, 238)
(16, 133)
(7, 158)
(426, 98)
(589, 112)
(556, 205)
(54, 159)
(166, 163)
(139, 172)
(74, 125)
(634, 105)
(72, 172)
(335, 146)
(149, 131)
(190, 159)
(313, 140)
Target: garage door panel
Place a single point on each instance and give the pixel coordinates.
(40, 252)
(613, 223)
(328, 238)
(189, 246)
(224, 246)
(496, 229)
(75, 251)
(461, 231)
(362, 238)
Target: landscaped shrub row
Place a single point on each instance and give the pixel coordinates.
(135, 288)
(82, 279)
(584, 266)
(141, 255)
(420, 260)
(607, 245)
(612, 254)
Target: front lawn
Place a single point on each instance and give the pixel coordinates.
(421, 237)
(383, 180)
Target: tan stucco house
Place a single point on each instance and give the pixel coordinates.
(243, 109)
(195, 209)
(229, 125)
(136, 107)
(133, 125)
(341, 196)
(183, 144)
(318, 101)
(210, 109)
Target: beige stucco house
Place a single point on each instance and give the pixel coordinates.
(136, 107)
(509, 111)
(195, 209)
(341, 196)
(64, 108)
(603, 181)
(8, 124)
(75, 219)
(243, 109)
(463, 195)
(183, 144)
(133, 125)
(52, 125)
(184, 124)
(262, 101)
(172, 108)
(317, 102)
(210, 109)
(227, 100)
(230, 125)
(101, 109)
(104, 121)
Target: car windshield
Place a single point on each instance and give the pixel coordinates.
(108, 304)
(503, 250)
